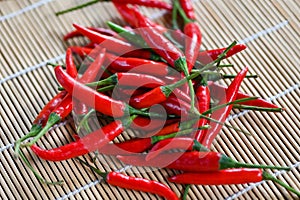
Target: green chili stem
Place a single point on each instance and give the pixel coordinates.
(77, 7)
(256, 108)
(36, 174)
(267, 176)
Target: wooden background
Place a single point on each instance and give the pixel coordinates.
(31, 36)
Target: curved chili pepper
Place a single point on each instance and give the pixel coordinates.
(158, 94)
(42, 118)
(160, 44)
(222, 114)
(137, 145)
(208, 56)
(101, 102)
(228, 176)
(137, 65)
(187, 6)
(81, 51)
(108, 42)
(71, 68)
(203, 99)
(129, 17)
(185, 143)
(147, 124)
(76, 33)
(130, 79)
(192, 43)
(175, 106)
(134, 183)
(147, 3)
(84, 145)
(219, 89)
(192, 161)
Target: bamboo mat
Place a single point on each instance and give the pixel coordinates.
(31, 35)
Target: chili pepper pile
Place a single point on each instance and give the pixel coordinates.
(127, 75)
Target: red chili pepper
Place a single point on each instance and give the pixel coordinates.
(81, 51)
(185, 143)
(147, 3)
(147, 124)
(223, 113)
(158, 94)
(134, 183)
(137, 65)
(176, 106)
(42, 118)
(187, 6)
(129, 17)
(219, 89)
(208, 56)
(203, 98)
(160, 44)
(192, 43)
(100, 102)
(103, 31)
(70, 65)
(192, 161)
(228, 176)
(137, 145)
(84, 145)
(140, 184)
(108, 42)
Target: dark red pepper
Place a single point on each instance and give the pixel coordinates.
(222, 114)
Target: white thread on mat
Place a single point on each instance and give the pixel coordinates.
(6, 147)
(23, 10)
(251, 186)
(29, 69)
(281, 94)
(264, 32)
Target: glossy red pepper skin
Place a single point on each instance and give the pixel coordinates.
(184, 143)
(158, 42)
(81, 51)
(223, 113)
(140, 184)
(110, 43)
(185, 161)
(170, 128)
(219, 89)
(70, 65)
(176, 106)
(222, 177)
(203, 100)
(147, 3)
(91, 142)
(100, 102)
(128, 16)
(147, 124)
(76, 33)
(148, 99)
(208, 56)
(138, 80)
(42, 117)
(193, 41)
(129, 147)
(137, 65)
(187, 6)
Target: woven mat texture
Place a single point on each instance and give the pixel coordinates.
(31, 36)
